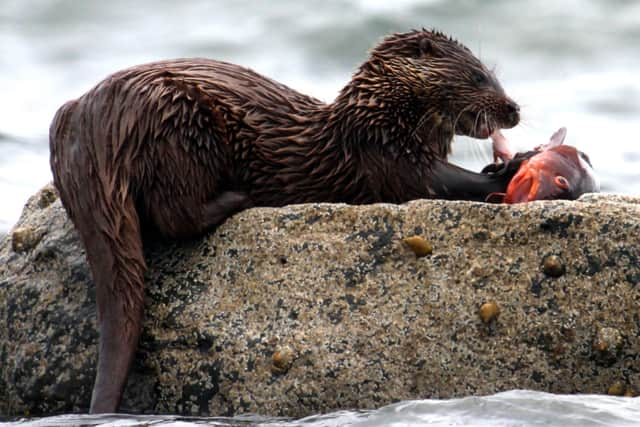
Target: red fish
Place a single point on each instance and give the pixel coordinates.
(551, 171)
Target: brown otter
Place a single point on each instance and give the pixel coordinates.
(181, 145)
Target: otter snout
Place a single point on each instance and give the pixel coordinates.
(511, 113)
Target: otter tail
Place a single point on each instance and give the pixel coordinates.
(102, 207)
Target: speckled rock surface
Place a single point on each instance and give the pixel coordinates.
(311, 308)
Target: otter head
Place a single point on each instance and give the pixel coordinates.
(442, 82)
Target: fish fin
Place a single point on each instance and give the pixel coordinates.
(557, 138)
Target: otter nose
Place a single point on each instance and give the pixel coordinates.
(513, 112)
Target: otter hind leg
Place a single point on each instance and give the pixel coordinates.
(185, 218)
(118, 266)
(223, 206)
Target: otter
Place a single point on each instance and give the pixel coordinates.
(181, 145)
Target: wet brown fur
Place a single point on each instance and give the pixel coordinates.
(183, 144)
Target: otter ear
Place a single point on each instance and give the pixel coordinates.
(427, 47)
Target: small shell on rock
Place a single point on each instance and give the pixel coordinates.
(606, 345)
(48, 195)
(608, 340)
(616, 389)
(281, 360)
(24, 239)
(489, 312)
(419, 245)
(553, 266)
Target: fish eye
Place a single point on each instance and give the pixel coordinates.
(561, 182)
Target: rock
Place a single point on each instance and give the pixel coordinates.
(312, 308)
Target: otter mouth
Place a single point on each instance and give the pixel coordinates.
(475, 125)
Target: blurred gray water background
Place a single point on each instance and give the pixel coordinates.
(572, 63)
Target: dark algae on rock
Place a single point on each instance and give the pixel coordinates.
(351, 319)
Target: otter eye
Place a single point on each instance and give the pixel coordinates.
(479, 78)
(561, 182)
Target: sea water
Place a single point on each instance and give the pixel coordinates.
(572, 63)
(514, 408)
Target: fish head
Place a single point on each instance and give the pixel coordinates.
(557, 172)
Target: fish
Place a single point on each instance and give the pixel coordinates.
(550, 171)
